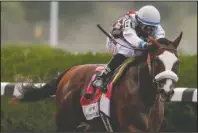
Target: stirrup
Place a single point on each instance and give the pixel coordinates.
(98, 79)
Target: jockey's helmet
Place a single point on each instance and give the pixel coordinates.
(148, 17)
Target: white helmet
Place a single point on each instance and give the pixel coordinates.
(148, 15)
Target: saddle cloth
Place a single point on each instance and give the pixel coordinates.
(100, 101)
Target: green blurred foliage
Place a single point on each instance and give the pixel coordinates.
(41, 61)
(180, 117)
(27, 117)
(44, 61)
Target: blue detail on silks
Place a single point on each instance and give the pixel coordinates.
(144, 21)
(141, 44)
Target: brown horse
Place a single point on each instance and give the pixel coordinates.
(137, 102)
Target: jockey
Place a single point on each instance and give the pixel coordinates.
(132, 29)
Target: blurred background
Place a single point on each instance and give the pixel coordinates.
(29, 23)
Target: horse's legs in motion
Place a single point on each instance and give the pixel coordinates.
(68, 116)
(96, 125)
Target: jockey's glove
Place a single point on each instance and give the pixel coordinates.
(143, 44)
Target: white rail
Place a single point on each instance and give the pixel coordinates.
(181, 94)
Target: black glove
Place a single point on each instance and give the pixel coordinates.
(116, 33)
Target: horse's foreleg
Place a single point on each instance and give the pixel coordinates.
(156, 117)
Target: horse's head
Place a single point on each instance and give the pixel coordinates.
(164, 65)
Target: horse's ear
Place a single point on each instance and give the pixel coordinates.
(177, 40)
(154, 42)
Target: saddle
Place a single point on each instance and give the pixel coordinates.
(115, 78)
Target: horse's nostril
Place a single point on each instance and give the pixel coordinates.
(171, 92)
(161, 91)
(163, 81)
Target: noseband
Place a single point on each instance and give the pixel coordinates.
(153, 62)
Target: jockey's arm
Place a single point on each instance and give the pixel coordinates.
(130, 35)
(133, 39)
(159, 32)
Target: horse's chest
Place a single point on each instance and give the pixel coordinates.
(135, 115)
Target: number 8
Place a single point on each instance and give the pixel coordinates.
(127, 24)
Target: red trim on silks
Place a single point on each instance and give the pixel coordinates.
(131, 12)
(121, 19)
(98, 93)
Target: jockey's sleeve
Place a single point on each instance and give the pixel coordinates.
(130, 35)
(159, 32)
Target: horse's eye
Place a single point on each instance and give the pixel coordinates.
(158, 61)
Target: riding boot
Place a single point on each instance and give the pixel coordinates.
(102, 79)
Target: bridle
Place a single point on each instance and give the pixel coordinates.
(152, 63)
(155, 55)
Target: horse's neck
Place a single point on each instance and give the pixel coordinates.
(145, 87)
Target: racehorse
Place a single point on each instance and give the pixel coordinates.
(138, 97)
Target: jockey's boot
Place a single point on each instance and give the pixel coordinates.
(102, 79)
